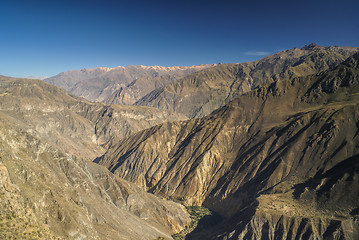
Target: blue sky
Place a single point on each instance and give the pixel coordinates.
(44, 38)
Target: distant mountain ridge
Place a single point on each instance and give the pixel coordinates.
(121, 85)
(34, 77)
(198, 90)
(198, 94)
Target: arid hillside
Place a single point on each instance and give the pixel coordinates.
(281, 160)
(199, 94)
(119, 85)
(49, 187)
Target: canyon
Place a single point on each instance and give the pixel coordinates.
(265, 150)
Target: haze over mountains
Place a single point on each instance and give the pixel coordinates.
(122, 85)
(270, 147)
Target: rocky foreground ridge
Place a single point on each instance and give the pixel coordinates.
(279, 162)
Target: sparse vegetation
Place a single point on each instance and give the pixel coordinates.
(197, 213)
(14, 226)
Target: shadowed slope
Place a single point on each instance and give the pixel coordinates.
(252, 161)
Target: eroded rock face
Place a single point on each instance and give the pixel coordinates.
(77, 199)
(286, 151)
(114, 122)
(198, 94)
(48, 188)
(275, 226)
(72, 124)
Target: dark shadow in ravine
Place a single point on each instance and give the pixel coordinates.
(216, 226)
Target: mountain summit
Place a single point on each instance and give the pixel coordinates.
(310, 46)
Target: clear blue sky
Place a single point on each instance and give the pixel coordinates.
(44, 38)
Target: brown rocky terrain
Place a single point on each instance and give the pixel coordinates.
(198, 94)
(119, 85)
(70, 122)
(279, 162)
(49, 189)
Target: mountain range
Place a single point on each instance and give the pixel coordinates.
(281, 160)
(258, 150)
(120, 85)
(50, 189)
(198, 90)
(197, 95)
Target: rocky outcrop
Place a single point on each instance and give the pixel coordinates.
(119, 85)
(280, 161)
(197, 95)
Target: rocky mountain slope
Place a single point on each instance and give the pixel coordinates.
(279, 162)
(49, 189)
(198, 94)
(120, 85)
(57, 117)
